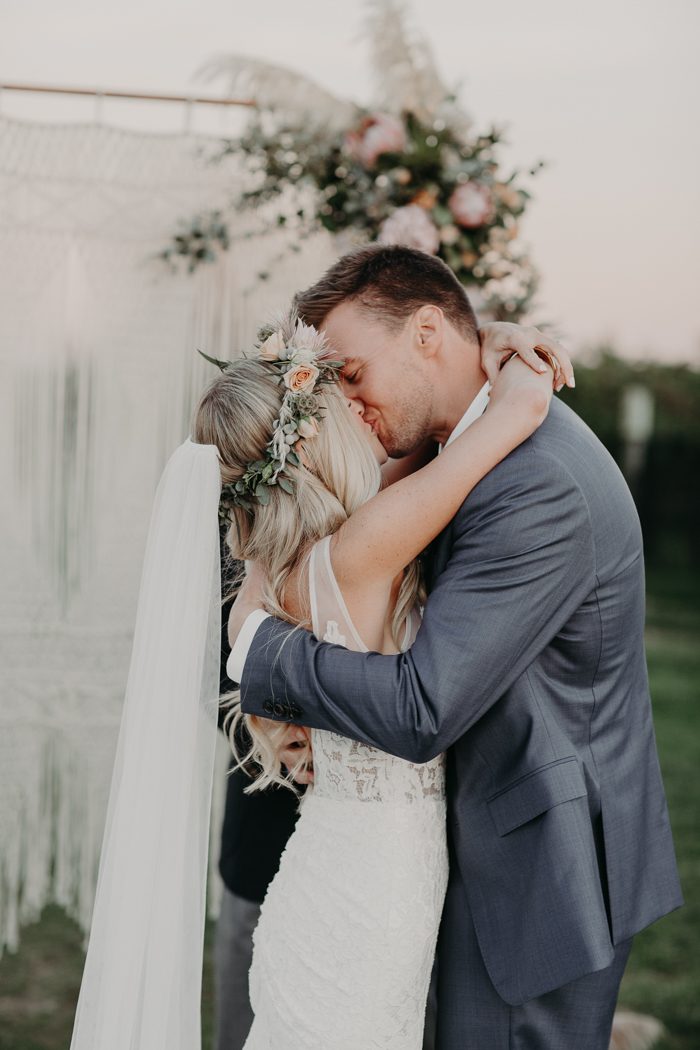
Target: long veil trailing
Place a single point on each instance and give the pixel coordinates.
(141, 985)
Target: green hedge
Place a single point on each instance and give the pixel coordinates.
(668, 493)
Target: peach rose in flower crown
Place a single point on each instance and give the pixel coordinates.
(471, 205)
(301, 378)
(377, 134)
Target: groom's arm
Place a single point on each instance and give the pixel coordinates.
(521, 563)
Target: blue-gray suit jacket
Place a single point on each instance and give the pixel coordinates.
(529, 670)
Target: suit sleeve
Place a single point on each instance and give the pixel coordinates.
(521, 562)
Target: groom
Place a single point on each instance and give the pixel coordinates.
(528, 670)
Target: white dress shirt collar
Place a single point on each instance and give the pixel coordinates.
(476, 409)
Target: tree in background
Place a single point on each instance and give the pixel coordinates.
(667, 490)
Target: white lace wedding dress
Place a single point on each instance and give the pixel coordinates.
(344, 947)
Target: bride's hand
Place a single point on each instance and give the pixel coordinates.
(501, 338)
(522, 394)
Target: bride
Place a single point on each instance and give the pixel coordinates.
(362, 880)
(289, 464)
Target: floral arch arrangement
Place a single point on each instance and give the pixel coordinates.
(409, 170)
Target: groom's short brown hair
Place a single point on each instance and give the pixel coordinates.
(391, 282)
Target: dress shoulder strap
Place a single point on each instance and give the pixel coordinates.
(329, 614)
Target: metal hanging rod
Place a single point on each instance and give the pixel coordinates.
(150, 97)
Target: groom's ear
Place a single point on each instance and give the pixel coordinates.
(429, 327)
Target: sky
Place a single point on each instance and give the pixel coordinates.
(606, 93)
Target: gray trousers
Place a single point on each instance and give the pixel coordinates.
(472, 1016)
(233, 950)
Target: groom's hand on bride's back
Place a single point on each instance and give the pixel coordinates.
(500, 339)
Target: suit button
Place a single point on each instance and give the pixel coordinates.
(295, 712)
(279, 709)
(267, 707)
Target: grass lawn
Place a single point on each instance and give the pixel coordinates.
(663, 975)
(39, 985)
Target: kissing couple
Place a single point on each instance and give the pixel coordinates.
(445, 588)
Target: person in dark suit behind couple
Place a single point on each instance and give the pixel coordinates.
(255, 831)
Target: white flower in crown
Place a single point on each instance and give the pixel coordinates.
(308, 428)
(302, 355)
(307, 338)
(274, 347)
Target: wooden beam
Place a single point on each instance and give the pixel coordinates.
(203, 100)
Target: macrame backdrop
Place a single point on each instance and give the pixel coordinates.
(98, 378)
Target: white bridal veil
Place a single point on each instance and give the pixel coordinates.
(141, 985)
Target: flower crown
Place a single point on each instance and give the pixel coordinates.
(294, 353)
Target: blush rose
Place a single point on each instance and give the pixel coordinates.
(301, 378)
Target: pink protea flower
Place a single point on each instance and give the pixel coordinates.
(378, 133)
(412, 226)
(471, 205)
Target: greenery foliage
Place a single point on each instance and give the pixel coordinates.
(198, 241)
(366, 192)
(667, 491)
(409, 168)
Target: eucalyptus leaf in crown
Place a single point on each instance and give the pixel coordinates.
(297, 355)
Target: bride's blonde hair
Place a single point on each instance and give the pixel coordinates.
(337, 473)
